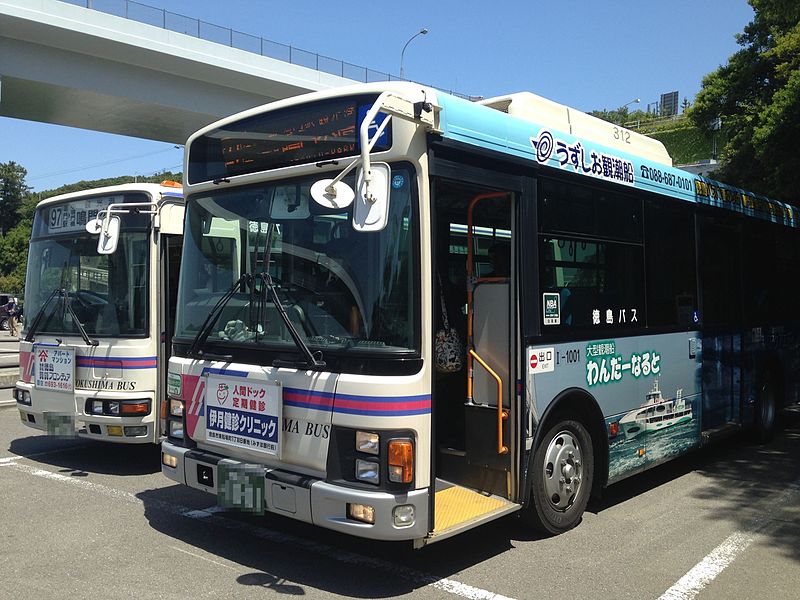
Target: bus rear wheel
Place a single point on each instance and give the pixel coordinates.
(766, 410)
(561, 478)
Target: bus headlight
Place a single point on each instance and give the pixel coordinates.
(176, 429)
(138, 407)
(368, 471)
(367, 442)
(175, 407)
(23, 396)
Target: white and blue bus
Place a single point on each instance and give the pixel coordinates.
(601, 311)
(100, 296)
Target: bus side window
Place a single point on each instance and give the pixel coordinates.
(670, 250)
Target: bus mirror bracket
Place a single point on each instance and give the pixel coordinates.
(108, 228)
(370, 194)
(108, 224)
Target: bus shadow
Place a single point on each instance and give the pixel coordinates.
(277, 553)
(79, 457)
(755, 487)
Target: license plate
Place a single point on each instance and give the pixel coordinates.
(60, 424)
(242, 487)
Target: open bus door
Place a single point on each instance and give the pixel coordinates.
(476, 408)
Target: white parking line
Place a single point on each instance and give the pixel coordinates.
(716, 561)
(707, 569)
(277, 539)
(205, 558)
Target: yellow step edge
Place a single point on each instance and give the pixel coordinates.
(456, 505)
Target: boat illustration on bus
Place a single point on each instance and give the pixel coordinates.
(656, 414)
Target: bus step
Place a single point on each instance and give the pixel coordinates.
(459, 508)
(721, 432)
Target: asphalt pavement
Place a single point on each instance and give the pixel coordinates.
(89, 519)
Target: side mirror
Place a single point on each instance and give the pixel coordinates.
(330, 193)
(371, 205)
(109, 233)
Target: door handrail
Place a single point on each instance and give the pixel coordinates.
(502, 414)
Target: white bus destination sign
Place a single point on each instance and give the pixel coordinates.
(72, 216)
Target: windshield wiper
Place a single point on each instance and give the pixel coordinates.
(64, 295)
(313, 360)
(195, 350)
(76, 320)
(38, 318)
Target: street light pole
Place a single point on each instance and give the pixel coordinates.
(422, 31)
(634, 101)
(622, 110)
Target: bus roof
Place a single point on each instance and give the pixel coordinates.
(559, 137)
(156, 190)
(565, 139)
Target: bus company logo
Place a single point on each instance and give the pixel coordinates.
(222, 392)
(574, 156)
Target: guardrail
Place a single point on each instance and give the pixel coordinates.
(159, 17)
(639, 123)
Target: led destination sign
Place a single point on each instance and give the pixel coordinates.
(296, 135)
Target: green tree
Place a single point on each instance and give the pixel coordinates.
(757, 96)
(14, 258)
(12, 192)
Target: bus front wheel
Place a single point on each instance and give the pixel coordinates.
(561, 478)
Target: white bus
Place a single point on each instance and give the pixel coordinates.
(100, 297)
(616, 312)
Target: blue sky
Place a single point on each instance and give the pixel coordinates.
(587, 54)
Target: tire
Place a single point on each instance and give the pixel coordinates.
(561, 477)
(4, 324)
(766, 409)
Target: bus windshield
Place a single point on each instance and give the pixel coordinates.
(341, 289)
(103, 295)
(107, 293)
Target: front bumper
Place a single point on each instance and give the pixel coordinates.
(305, 498)
(121, 430)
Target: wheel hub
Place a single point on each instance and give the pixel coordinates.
(563, 470)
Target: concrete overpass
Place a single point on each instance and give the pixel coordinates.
(70, 65)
